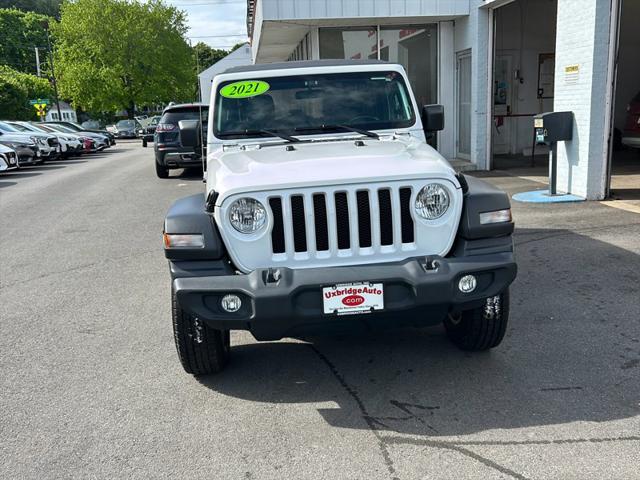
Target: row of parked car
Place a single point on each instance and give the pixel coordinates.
(33, 143)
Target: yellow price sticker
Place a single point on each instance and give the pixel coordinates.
(244, 89)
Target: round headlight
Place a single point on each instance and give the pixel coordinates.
(247, 215)
(432, 201)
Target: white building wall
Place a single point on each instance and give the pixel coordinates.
(318, 9)
(240, 56)
(583, 31)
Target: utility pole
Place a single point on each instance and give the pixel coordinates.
(53, 72)
(37, 62)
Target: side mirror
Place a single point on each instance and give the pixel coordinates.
(432, 118)
(190, 133)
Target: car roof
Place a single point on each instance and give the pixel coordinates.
(303, 64)
(182, 106)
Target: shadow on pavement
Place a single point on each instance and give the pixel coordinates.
(572, 354)
(70, 161)
(24, 173)
(6, 184)
(43, 167)
(188, 174)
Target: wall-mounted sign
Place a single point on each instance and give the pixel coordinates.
(571, 74)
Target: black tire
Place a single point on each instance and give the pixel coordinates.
(201, 349)
(161, 171)
(144, 142)
(481, 328)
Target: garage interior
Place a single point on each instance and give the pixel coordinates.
(523, 76)
(625, 159)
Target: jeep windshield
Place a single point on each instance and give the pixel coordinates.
(312, 104)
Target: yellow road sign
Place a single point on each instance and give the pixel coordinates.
(41, 109)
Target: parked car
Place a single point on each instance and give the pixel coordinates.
(25, 145)
(325, 209)
(127, 128)
(169, 152)
(69, 144)
(81, 148)
(56, 141)
(147, 130)
(8, 158)
(631, 133)
(48, 146)
(80, 129)
(91, 125)
(101, 141)
(26, 150)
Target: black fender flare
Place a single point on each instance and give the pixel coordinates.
(480, 197)
(188, 216)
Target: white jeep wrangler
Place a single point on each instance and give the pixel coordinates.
(326, 210)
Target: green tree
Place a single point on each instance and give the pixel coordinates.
(46, 7)
(207, 55)
(116, 54)
(16, 89)
(20, 33)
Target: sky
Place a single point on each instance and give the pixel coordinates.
(218, 23)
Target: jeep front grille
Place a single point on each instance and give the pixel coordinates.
(330, 222)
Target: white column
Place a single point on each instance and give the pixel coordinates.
(446, 88)
(583, 85)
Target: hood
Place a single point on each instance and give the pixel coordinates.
(89, 134)
(333, 162)
(24, 138)
(5, 149)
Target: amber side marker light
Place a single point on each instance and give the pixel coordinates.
(183, 240)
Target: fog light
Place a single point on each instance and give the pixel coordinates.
(467, 284)
(231, 303)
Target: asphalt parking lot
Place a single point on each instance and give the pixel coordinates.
(92, 388)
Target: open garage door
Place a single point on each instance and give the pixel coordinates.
(523, 81)
(624, 167)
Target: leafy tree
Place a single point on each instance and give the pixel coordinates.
(46, 7)
(116, 54)
(207, 55)
(16, 89)
(21, 33)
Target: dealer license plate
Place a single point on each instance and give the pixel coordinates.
(351, 298)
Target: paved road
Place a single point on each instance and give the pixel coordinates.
(90, 385)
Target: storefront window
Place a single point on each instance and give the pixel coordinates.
(414, 47)
(352, 43)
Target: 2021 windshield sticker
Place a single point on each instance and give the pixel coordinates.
(244, 89)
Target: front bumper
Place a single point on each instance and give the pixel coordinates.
(292, 305)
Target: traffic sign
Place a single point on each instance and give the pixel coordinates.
(41, 109)
(39, 101)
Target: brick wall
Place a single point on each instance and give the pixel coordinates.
(583, 39)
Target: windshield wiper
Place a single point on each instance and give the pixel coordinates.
(337, 127)
(271, 133)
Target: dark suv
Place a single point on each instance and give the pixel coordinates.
(169, 151)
